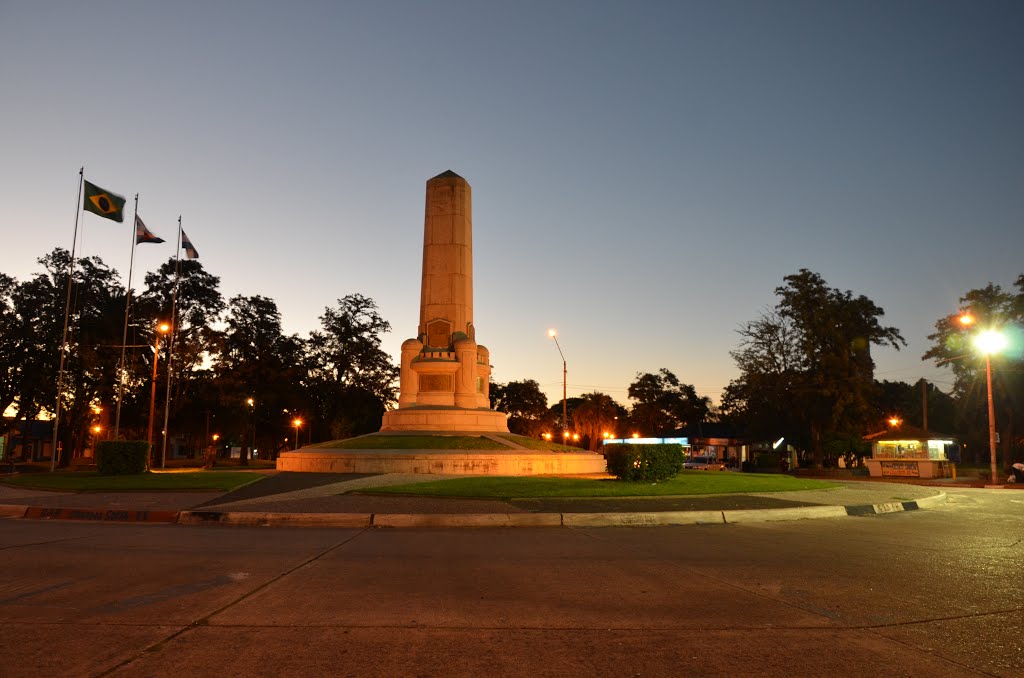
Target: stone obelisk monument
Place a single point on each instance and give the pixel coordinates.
(444, 372)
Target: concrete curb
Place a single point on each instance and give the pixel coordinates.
(101, 515)
(407, 520)
(897, 506)
(651, 519)
(771, 515)
(254, 519)
(9, 511)
(467, 520)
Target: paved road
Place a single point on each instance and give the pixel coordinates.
(922, 593)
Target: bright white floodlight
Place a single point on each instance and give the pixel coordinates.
(990, 341)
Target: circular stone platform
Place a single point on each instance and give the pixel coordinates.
(500, 462)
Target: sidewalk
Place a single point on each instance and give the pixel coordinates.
(322, 499)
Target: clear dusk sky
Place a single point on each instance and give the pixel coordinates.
(644, 173)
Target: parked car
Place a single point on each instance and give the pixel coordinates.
(704, 463)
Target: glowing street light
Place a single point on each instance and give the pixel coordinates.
(988, 342)
(296, 423)
(565, 419)
(895, 421)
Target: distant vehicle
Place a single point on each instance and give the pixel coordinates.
(704, 464)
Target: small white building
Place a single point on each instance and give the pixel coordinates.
(905, 451)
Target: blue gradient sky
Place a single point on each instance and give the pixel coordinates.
(644, 174)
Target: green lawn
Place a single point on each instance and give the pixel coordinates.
(89, 481)
(686, 483)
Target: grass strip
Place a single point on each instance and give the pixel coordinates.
(686, 483)
(90, 481)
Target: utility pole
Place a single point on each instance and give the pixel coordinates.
(924, 404)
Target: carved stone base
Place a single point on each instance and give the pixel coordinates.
(447, 462)
(444, 419)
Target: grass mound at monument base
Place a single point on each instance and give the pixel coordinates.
(415, 441)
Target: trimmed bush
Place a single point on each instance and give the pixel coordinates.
(644, 462)
(121, 457)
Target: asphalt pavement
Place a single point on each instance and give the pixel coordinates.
(324, 499)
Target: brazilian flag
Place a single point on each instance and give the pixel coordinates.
(104, 203)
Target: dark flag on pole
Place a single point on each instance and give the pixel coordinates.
(143, 234)
(190, 250)
(103, 203)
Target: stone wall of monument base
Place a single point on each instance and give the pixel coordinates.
(473, 462)
(444, 419)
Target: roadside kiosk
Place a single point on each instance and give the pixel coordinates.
(905, 451)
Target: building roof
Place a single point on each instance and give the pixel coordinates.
(907, 432)
(448, 174)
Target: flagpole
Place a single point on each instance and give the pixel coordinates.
(124, 337)
(170, 345)
(67, 312)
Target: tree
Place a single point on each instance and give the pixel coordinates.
(993, 307)
(259, 373)
(898, 398)
(351, 380)
(665, 404)
(812, 356)
(198, 307)
(595, 415)
(10, 346)
(760, 400)
(554, 416)
(35, 319)
(525, 403)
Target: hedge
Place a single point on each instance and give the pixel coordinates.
(121, 457)
(644, 462)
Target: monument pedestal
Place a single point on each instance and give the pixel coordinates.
(432, 419)
(446, 462)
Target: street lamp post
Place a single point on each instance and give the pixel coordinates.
(989, 342)
(565, 419)
(297, 423)
(252, 424)
(162, 328)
